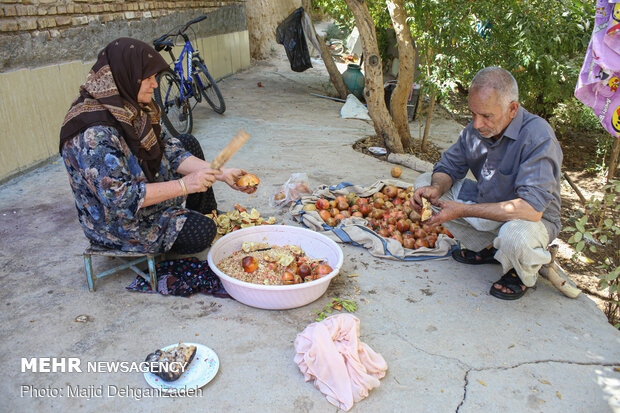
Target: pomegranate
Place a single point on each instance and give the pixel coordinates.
(421, 242)
(288, 278)
(324, 214)
(409, 243)
(323, 269)
(248, 180)
(397, 237)
(414, 216)
(365, 209)
(402, 225)
(322, 203)
(390, 191)
(304, 270)
(249, 263)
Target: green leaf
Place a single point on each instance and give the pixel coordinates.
(570, 229)
(609, 222)
(580, 246)
(577, 237)
(592, 248)
(580, 226)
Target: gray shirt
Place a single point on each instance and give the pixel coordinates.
(523, 163)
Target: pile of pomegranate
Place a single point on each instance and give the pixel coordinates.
(387, 212)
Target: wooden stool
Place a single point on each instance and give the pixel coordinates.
(129, 259)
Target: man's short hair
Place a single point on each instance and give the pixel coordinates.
(494, 77)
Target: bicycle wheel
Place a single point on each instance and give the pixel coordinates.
(176, 113)
(208, 87)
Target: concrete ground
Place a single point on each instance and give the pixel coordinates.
(448, 344)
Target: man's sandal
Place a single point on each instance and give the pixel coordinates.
(511, 281)
(484, 256)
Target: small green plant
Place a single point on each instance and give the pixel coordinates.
(334, 31)
(572, 114)
(337, 304)
(597, 231)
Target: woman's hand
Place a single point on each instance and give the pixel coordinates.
(200, 181)
(231, 176)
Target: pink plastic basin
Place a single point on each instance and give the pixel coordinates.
(277, 297)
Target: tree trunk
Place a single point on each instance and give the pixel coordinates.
(406, 68)
(374, 93)
(613, 160)
(429, 119)
(328, 59)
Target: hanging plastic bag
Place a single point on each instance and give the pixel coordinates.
(292, 190)
(290, 34)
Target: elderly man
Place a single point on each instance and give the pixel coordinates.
(512, 212)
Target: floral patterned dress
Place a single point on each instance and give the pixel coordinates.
(109, 188)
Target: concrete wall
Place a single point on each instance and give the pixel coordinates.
(263, 17)
(41, 69)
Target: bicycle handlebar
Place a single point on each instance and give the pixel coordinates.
(159, 42)
(196, 20)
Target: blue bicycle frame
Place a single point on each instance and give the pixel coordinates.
(188, 51)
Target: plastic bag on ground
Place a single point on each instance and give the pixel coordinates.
(291, 191)
(354, 109)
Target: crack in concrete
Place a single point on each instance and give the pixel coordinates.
(579, 363)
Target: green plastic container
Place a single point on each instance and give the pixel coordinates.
(354, 80)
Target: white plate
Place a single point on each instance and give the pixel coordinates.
(377, 150)
(200, 371)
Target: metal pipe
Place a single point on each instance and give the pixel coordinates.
(328, 97)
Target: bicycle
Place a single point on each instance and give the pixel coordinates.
(189, 78)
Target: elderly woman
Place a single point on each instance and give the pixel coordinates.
(135, 190)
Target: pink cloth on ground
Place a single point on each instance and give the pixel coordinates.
(343, 368)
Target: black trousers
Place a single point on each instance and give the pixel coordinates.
(198, 231)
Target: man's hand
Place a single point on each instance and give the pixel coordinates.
(431, 193)
(199, 181)
(449, 210)
(231, 176)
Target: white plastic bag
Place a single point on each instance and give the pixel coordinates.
(292, 190)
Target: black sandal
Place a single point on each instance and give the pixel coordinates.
(511, 281)
(484, 256)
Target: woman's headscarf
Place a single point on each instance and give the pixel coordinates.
(110, 97)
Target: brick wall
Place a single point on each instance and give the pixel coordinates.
(40, 32)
